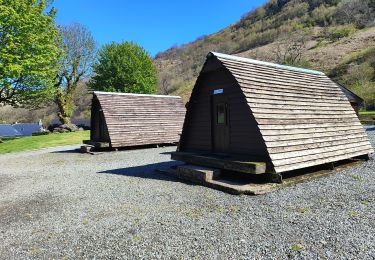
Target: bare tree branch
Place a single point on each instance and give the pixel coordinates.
(80, 54)
(290, 48)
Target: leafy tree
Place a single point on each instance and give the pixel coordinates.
(79, 55)
(124, 67)
(28, 52)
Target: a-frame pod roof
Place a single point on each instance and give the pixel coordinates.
(141, 119)
(304, 118)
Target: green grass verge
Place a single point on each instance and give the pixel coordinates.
(367, 117)
(358, 57)
(367, 113)
(43, 141)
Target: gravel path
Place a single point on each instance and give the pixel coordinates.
(66, 205)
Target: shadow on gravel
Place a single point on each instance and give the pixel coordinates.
(147, 171)
(370, 129)
(68, 151)
(167, 153)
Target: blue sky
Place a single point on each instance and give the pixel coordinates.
(156, 25)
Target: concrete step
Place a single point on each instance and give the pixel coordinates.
(196, 173)
(237, 183)
(213, 178)
(225, 163)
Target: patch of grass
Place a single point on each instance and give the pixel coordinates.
(220, 209)
(296, 248)
(365, 202)
(194, 213)
(367, 113)
(85, 221)
(41, 133)
(183, 89)
(321, 43)
(302, 210)
(126, 206)
(234, 209)
(357, 177)
(338, 32)
(353, 214)
(209, 196)
(35, 250)
(357, 57)
(137, 238)
(43, 141)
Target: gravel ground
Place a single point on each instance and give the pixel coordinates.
(66, 205)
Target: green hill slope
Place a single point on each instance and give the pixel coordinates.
(335, 36)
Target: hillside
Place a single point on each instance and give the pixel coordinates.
(337, 37)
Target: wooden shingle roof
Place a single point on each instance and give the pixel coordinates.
(137, 119)
(304, 118)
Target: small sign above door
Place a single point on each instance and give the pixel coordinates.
(218, 91)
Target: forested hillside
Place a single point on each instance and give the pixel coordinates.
(335, 36)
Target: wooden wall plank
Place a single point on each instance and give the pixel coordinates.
(344, 156)
(316, 151)
(313, 140)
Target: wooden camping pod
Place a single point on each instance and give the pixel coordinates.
(288, 117)
(124, 120)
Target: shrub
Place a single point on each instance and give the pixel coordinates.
(258, 39)
(293, 9)
(366, 90)
(323, 15)
(361, 73)
(41, 133)
(341, 31)
(358, 57)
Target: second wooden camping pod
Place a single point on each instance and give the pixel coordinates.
(287, 117)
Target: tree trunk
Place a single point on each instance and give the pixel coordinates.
(65, 106)
(65, 120)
